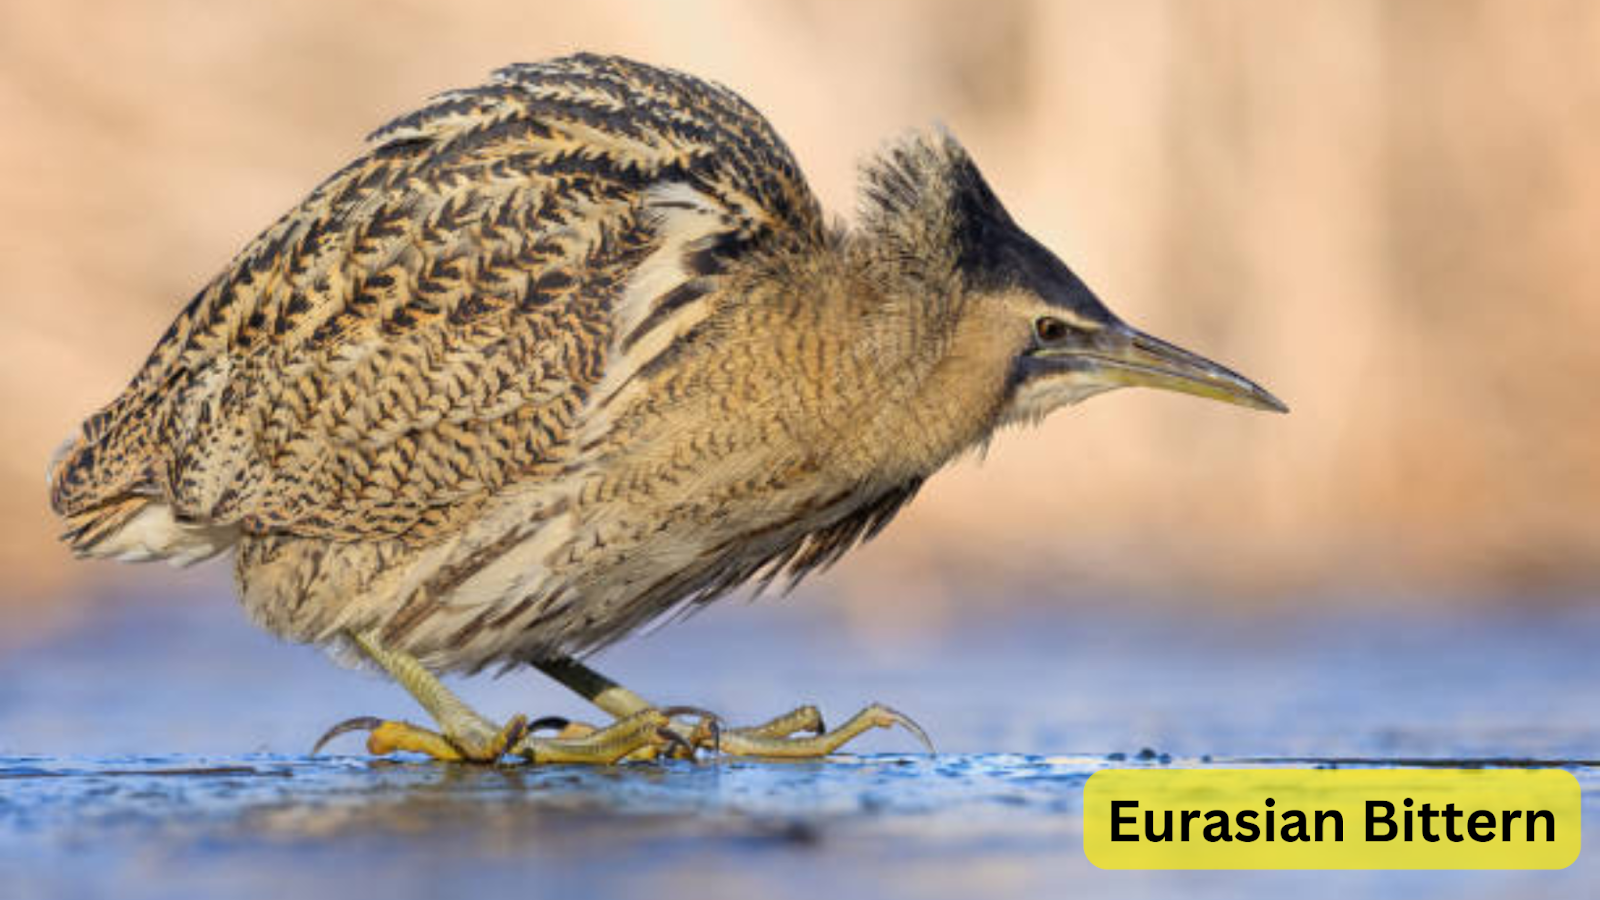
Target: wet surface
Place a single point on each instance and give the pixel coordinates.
(159, 752)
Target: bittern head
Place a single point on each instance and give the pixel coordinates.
(1058, 344)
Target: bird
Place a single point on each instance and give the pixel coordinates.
(568, 351)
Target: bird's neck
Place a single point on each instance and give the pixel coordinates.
(915, 381)
(944, 406)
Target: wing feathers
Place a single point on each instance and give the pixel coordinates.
(436, 319)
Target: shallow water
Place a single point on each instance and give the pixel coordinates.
(158, 751)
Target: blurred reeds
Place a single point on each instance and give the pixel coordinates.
(1386, 212)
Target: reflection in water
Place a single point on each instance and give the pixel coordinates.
(301, 796)
(884, 825)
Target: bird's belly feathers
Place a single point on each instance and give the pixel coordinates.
(533, 577)
(575, 584)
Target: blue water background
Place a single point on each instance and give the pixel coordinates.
(158, 749)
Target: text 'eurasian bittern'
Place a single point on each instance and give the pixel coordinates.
(569, 350)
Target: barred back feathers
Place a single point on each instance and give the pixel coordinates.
(557, 354)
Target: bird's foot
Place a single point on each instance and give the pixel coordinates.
(477, 742)
(655, 734)
(652, 733)
(776, 739)
(647, 734)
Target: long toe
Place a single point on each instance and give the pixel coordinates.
(773, 740)
(386, 736)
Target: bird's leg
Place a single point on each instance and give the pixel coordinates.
(612, 698)
(769, 739)
(463, 734)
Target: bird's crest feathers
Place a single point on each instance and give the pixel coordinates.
(924, 196)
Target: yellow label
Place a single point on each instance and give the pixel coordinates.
(1331, 819)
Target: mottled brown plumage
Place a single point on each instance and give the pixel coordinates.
(565, 351)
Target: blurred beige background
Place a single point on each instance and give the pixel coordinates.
(1386, 212)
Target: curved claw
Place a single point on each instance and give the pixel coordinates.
(675, 743)
(713, 734)
(706, 731)
(672, 712)
(548, 723)
(359, 723)
(888, 717)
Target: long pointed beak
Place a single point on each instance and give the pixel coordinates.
(1139, 360)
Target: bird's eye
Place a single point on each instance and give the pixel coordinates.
(1051, 330)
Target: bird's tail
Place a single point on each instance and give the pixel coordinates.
(92, 531)
(112, 508)
(77, 479)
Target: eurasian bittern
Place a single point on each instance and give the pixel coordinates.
(569, 350)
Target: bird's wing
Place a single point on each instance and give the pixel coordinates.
(434, 320)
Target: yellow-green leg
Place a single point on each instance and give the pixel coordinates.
(772, 739)
(466, 736)
(463, 734)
